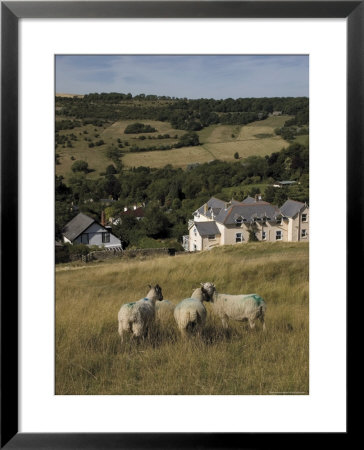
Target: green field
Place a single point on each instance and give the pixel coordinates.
(217, 142)
(91, 360)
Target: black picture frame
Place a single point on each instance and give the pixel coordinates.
(11, 12)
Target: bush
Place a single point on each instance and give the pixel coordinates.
(80, 166)
(137, 127)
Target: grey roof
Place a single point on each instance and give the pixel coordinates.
(247, 211)
(291, 208)
(248, 200)
(206, 228)
(76, 226)
(287, 182)
(214, 206)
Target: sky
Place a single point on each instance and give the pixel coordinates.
(191, 76)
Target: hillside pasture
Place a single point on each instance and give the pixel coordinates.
(90, 359)
(219, 142)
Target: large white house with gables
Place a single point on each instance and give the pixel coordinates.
(222, 223)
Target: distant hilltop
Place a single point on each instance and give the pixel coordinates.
(70, 95)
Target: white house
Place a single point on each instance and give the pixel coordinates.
(221, 223)
(83, 229)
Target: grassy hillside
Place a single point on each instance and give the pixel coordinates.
(91, 360)
(218, 142)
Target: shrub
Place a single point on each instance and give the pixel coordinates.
(80, 166)
(138, 127)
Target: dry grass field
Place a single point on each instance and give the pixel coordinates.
(91, 360)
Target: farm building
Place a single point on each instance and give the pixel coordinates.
(222, 223)
(284, 183)
(83, 229)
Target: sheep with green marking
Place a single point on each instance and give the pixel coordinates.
(137, 317)
(190, 314)
(241, 307)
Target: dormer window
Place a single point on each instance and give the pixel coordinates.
(279, 220)
(239, 221)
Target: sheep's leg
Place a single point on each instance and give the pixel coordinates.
(121, 332)
(252, 324)
(121, 336)
(184, 333)
(225, 322)
(261, 318)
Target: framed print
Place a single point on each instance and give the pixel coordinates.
(68, 48)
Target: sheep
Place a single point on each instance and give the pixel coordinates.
(190, 314)
(136, 317)
(164, 310)
(237, 307)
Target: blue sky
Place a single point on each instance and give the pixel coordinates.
(191, 76)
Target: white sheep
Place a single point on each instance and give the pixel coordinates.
(164, 310)
(136, 317)
(190, 314)
(237, 307)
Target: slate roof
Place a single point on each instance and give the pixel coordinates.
(247, 211)
(76, 226)
(214, 205)
(291, 208)
(287, 182)
(207, 228)
(248, 200)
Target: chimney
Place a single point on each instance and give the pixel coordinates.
(103, 221)
(205, 208)
(258, 197)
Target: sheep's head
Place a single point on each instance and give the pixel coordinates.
(158, 292)
(205, 295)
(209, 288)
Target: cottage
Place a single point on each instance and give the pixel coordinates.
(83, 229)
(222, 223)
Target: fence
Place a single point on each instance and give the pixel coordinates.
(63, 256)
(109, 254)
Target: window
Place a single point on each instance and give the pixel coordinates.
(239, 237)
(211, 237)
(195, 231)
(239, 221)
(84, 239)
(278, 235)
(279, 221)
(303, 233)
(304, 217)
(264, 235)
(105, 238)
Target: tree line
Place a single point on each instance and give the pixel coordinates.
(184, 114)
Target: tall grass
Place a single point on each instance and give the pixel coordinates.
(91, 360)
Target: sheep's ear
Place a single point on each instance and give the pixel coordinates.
(150, 286)
(201, 284)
